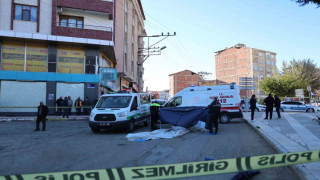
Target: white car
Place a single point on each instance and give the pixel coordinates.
(259, 107)
(297, 106)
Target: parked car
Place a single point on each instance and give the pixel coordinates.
(297, 106)
(259, 107)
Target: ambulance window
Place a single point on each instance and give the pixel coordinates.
(177, 101)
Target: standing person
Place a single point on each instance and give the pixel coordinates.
(70, 103)
(86, 109)
(277, 104)
(65, 107)
(78, 105)
(41, 116)
(59, 102)
(269, 101)
(154, 111)
(253, 106)
(95, 102)
(214, 113)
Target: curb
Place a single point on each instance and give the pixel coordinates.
(298, 169)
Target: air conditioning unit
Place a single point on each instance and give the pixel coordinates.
(59, 10)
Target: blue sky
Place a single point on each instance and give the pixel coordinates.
(206, 26)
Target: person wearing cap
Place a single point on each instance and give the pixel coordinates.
(154, 111)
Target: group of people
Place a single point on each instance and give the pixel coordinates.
(64, 106)
(270, 102)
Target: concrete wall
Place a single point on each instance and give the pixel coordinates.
(5, 14)
(45, 16)
(24, 26)
(28, 2)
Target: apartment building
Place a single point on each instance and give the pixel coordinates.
(241, 61)
(181, 80)
(53, 48)
(129, 18)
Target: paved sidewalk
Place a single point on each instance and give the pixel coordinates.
(49, 118)
(293, 132)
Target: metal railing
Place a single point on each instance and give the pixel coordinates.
(84, 26)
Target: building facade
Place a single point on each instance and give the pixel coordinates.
(129, 19)
(181, 80)
(241, 61)
(53, 48)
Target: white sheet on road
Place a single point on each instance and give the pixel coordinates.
(175, 131)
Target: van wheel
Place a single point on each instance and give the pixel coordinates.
(94, 130)
(147, 122)
(131, 126)
(225, 118)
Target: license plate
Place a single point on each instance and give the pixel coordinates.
(104, 124)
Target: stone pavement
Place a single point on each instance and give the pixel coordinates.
(293, 132)
(49, 118)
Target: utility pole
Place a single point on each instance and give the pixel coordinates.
(145, 53)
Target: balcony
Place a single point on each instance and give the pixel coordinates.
(83, 31)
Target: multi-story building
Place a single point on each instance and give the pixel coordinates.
(129, 18)
(181, 80)
(241, 61)
(53, 48)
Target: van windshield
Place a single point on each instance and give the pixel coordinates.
(114, 102)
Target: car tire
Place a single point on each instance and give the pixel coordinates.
(310, 109)
(147, 121)
(131, 126)
(95, 130)
(224, 118)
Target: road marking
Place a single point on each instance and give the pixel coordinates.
(307, 137)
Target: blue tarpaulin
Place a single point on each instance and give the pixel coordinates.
(183, 116)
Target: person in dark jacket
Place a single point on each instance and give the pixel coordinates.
(41, 117)
(59, 102)
(253, 106)
(277, 104)
(154, 111)
(269, 101)
(65, 106)
(86, 105)
(214, 113)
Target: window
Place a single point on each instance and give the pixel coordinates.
(268, 62)
(71, 21)
(260, 53)
(272, 63)
(256, 68)
(91, 64)
(25, 12)
(177, 101)
(260, 61)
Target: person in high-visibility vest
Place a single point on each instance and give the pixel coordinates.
(154, 110)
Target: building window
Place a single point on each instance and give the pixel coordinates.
(260, 61)
(25, 12)
(256, 68)
(272, 63)
(268, 62)
(71, 21)
(260, 53)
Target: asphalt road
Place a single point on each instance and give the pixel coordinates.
(71, 146)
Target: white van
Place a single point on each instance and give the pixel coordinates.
(228, 96)
(120, 110)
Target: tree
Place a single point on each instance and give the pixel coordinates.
(297, 74)
(305, 2)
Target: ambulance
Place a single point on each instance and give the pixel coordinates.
(120, 110)
(228, 96)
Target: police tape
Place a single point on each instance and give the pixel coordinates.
(5, 107)
(181, 170)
